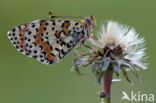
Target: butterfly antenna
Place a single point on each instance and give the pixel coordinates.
(64, 15)
(52, 12)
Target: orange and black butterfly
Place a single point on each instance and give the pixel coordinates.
(50, 40)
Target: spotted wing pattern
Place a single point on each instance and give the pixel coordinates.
(48, 41)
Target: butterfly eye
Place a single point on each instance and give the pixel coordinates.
(89, 21)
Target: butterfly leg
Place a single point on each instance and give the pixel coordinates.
(87, 46)
(77, 58)
(76, 66)
(82, 40)
(92, 49)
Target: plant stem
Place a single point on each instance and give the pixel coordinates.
(107, 81)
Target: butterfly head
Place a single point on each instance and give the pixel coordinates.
(91, 21)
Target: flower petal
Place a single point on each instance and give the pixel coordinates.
(106, 63)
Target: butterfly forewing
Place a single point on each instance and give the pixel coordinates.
(48, 41)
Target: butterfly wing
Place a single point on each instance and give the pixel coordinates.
(16, 36)
(48, 41)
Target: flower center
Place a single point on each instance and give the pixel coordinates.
(114, 53)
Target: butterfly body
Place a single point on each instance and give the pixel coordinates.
(49, 40)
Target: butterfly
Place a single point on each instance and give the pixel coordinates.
(50, 40)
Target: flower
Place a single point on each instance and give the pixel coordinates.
(118, 47)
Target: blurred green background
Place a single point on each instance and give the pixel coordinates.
(24, 80)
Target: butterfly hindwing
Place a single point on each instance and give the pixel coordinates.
(16, 36)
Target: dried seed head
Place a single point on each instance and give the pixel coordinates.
(119, 46)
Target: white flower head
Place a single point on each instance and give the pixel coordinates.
(118, 46)
(125, 37)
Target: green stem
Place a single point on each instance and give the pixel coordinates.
(107, 81)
